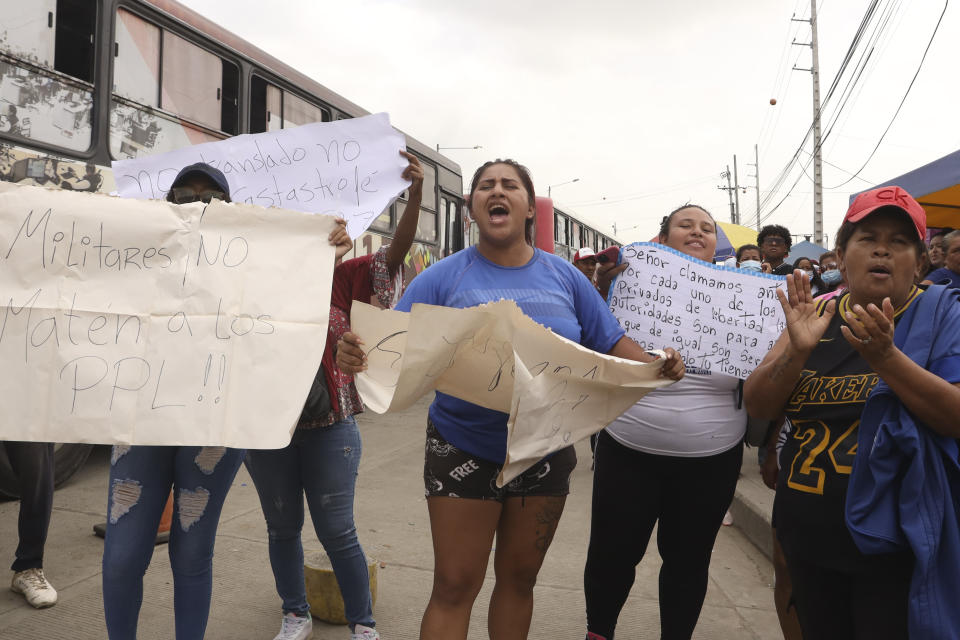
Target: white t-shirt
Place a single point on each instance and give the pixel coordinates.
(695, 417)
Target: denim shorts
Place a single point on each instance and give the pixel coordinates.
(453, 473)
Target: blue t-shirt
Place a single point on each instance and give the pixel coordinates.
(941, 275)
(548, 289)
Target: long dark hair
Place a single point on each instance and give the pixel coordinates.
(527, 181)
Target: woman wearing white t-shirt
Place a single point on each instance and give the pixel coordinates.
(671, 460)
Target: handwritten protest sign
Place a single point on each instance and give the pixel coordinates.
(127, 321)
(347, 168)
(720, 319)
(555, 391)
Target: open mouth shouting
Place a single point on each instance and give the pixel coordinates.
(880, 271)
(499, 213)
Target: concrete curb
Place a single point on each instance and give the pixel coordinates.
(752, 506)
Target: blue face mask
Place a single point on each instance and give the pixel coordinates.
(750, 265)
(831, 277)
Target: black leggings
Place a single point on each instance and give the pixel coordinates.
(632, 491)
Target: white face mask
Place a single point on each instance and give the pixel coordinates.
(809, 272)
(750, 265)
(831, 276)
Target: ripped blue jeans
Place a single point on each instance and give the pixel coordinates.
(322, 463)
(140, 481)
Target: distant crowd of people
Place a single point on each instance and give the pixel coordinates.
(870, 355)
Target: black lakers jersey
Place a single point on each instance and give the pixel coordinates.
(817, 458)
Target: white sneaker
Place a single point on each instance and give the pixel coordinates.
(296, 627)
(34, 587)
(361, 632)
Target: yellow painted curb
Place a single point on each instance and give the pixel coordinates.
(323, 592)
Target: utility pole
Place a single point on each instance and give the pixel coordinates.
(736, 188)
(756, 177)
(729, 189)
(817, 159)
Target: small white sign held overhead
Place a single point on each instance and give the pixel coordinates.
(721, 319)
(348, 168)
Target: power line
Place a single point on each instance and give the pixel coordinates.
(785, 172)
(852, 82)
(902, 101)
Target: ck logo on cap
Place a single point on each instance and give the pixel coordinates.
(895, 194)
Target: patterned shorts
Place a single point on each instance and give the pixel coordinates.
(450, 472)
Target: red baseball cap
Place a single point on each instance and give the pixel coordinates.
(869, 201)
(583, 254)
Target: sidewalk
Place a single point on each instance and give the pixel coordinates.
(394, 529)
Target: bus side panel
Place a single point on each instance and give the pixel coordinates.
(544, 225)
(25, 166)
(419, 257)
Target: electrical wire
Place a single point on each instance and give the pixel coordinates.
(852, 81)
(783, 175)
(923, 59)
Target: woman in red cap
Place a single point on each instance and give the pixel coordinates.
(832, 356)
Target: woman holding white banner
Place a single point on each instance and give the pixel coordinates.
(323, 457)
(660, 465)
(466, 444)
(141, 478)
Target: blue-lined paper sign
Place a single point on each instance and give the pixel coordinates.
(722, 320)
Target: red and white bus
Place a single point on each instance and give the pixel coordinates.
(85, 82)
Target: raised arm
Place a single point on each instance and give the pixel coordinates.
(407, 225)
(340, 240)
(768, 388)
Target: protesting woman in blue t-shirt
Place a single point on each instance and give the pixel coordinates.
(466, 444)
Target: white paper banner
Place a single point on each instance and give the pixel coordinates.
(556, 391)
(720, 319)
(141, 322)
(347, 168)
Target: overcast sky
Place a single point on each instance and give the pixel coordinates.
(645, 102)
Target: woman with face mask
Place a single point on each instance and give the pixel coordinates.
(806, 265)
(749, 258)
(830, 273)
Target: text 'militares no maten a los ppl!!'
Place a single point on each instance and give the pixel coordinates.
(143, 322)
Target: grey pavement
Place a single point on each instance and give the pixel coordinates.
(395, 530)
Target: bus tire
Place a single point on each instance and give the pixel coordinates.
(69, 457)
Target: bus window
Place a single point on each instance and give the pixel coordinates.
(273, 109)
(73, 49)
(157, 69)
(56, 34)
(136, 64)
(427, 226)
(384, 221)
(297, 112)
(192, 81)
(561, 229)
(429, 186)
(575, 235)
(48, 38)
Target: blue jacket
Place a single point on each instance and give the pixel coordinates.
(904, 490)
